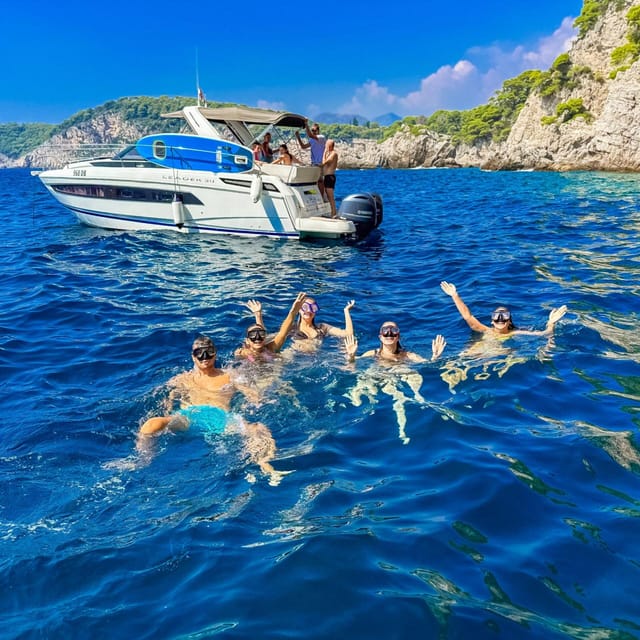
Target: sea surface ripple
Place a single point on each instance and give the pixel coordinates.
(511, 508)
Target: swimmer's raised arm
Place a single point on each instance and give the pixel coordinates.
(469, 318)
(554, 316)
(348, 323)
(351, 347)
(280, 337)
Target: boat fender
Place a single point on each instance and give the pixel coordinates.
(177, 208)
(256, 188)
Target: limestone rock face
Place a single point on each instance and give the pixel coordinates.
(100, 136)
(608, 140)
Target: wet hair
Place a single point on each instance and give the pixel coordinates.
(251, 327)
(203, 341)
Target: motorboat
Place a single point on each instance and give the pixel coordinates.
(205, 179)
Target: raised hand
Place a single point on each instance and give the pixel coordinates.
(351, 346)
(299, 301)
(255, 306)
(448, 288)
(350, 305)
(556, 314)
(437, 346)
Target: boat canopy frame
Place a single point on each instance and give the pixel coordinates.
(239, 120)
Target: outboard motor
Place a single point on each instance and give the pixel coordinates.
(364, 210)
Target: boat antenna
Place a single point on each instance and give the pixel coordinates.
(202, 99)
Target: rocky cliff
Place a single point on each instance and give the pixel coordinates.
(606, 138)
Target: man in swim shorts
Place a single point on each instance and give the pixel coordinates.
(204, 394)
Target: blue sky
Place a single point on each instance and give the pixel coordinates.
(410, 58)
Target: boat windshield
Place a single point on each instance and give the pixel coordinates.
(128, 153)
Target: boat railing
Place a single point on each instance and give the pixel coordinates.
(55, 156)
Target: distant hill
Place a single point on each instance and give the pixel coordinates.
(386, 119)
(328, 117)
(340, 118)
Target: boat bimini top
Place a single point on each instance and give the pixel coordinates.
(246, 123)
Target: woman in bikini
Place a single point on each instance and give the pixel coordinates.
(389, 373)
(309, 333)
(285, 157)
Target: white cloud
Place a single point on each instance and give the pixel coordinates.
(465, 84)
(274, 106)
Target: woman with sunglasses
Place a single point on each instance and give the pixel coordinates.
(307, 333)
(388, 373)
(204, 396)
(501, 320)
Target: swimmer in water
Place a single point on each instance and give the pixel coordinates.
(204, 394)
(490, 353)
(501, 320)
(255, 345)
(307, 333)
(387, 374)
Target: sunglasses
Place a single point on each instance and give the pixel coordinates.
(310, 307)
(501, 316)
(256, 335)
(204, 353)
(315, 130)
(389, 332)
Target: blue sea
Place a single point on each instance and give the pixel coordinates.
(509, 509)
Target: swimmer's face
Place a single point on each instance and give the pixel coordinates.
(255, 338)
(203, 355)
(389, 333)
(309, 309)
(501, 320)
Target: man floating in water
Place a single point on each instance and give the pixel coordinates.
(204, 394)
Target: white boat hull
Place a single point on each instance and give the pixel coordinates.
(213, 203)
(208, 181)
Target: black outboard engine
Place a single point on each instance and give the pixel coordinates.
(364, 210)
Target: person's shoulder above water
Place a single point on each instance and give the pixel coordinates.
(390, 348)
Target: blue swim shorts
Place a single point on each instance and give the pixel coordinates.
(208, 419)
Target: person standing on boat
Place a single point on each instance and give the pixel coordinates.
(317, 143)
(267, 151)
(501, 320)
(329, 166)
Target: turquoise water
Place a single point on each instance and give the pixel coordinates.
(513, 511)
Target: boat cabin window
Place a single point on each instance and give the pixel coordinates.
(159, 150)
